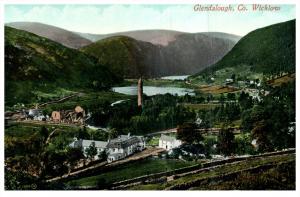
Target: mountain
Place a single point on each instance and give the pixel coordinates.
(269, 50)
(67, 38)
(169, 54)
(34, 63)
(157, 37)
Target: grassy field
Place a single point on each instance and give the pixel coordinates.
(158, 82)
(153, 141)
(241, 72)
(216, 89)
(219, 171)
(131, 170)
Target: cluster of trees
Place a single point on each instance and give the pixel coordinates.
(43, 157)
(271, 121)
(158, 113)
(225, 143)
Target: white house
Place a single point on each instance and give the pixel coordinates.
(116, 149)
(168, 142)
(229, 81)
(36, 114)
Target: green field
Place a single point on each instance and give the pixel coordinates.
(131, 170)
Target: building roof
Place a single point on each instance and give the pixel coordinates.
(123, 141)
(87, 143)
(34, 112)
(167, 138)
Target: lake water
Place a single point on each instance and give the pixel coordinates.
(177, 77)
(153, 90)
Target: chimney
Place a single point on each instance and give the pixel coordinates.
(140, 92)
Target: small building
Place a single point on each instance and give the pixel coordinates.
(36, 114)
(56, 116)
(168, 142)
(228, 81)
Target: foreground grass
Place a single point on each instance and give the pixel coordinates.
(219, 171)
(131, 170)
(279, 178)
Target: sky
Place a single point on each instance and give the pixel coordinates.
(102, 19)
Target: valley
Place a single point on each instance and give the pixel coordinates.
(150, 112)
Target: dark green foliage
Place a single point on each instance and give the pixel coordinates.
(245, 100)
(226, 144)
(91, 151)
(271, 122)
(34, 63)
(55, 163)
(103, 155)
(243, 145)
(158, 113)
(19, 181)
(187, 132)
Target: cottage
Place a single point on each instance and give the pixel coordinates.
(70, 116)
(56, 116)
(168, 142)
(228, 81)
(36, 114)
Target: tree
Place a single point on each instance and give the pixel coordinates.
(103, 155)
(83, 134)
(73, 156)
(188, 132)
(245, 100)
(222, 98)
(44, 133)
(260, 133)
(233, 77)
(91, 151)
(231, 96)
(226, 143)
(112, 133)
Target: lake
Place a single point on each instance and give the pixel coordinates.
(177, 77)
(153, 90)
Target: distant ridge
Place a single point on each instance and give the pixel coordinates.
(156, 36)
(65, 37)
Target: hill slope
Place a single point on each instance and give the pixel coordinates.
(183, 54)
(33, 62)
(67, 38)
(269, 50)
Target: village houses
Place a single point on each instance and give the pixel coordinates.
(118, 148)
(168, 142)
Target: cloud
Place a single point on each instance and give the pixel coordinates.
(116, 18)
